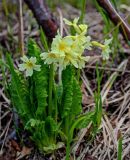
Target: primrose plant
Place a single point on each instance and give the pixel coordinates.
(48, 96)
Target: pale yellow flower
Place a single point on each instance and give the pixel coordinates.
(61, 45)
(80, 43)
(80, 29)
(29, 64)
(82, 60)
(74, 24)
(52, 57)
(75, 21)
(83, 29)
(70, 58)
(68, 50)
(104, 47)
(84, 41)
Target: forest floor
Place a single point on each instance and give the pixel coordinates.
(115, 91)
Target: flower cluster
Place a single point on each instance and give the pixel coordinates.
(67, 50)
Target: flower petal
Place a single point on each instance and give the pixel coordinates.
(44, 55)
(29, 72)
(22, 67)
(33, 60)
(86, 59)
(67, 22)
(75, 21)
(81, 64)
(37, 67)
(24, 58)
(74, 63)
(107, 41)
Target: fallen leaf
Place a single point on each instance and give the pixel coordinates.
(25, 151)
(15, 145)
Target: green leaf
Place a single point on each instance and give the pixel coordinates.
(51, 148)
(76, 107)
(72, 97)
(41, 91)
(50, 126)
(44, 39)
(67, 80)
(40, 82)
(44, 134)
(119, 154)
(98, 110)
(33, 49)
(59, 92)
(32, 123)
(81, 122)
(19, 91)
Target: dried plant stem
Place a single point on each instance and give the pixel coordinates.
(108, 69)
(21, 35)
(6, 133)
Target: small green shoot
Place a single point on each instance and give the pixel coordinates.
(119, 153)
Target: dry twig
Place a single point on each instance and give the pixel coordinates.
(21, 28)
(43, 17)
(116, 18)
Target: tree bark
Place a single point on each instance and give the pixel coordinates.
(43, 17)
(116, 18)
